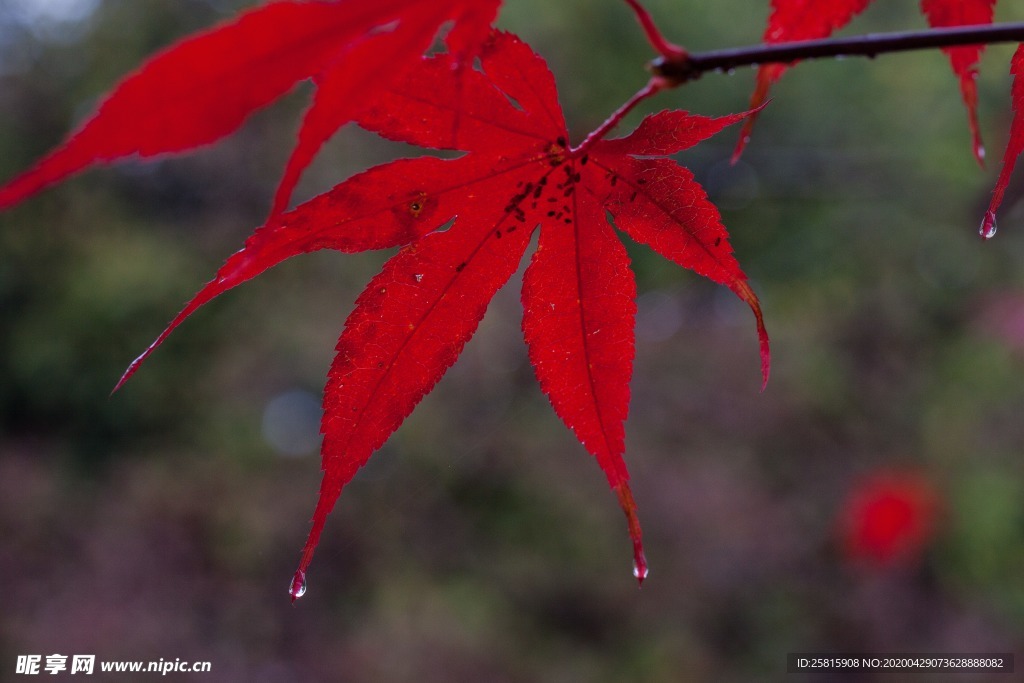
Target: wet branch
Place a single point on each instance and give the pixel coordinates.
(688, 67)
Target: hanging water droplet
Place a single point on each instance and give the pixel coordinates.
(639, 571)
(298, 585)
(418, 277)
(988, 226)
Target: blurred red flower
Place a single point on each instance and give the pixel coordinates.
(888, 518)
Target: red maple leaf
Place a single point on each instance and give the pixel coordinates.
(793, 20)
(1014, 146)
(203, 87)
(413, 319)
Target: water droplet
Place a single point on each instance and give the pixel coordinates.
(640, 571)
(980, 151)
(298, 585)
(988, 226)
(418, 277)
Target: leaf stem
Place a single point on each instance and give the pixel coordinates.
(662, 46)
(691, 66)
(653, 87)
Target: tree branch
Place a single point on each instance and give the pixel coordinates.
(692, 66)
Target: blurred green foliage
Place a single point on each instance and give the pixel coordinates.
(481, 543)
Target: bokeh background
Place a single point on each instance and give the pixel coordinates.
(481, 543)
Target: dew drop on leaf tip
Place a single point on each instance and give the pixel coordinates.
(988, 226)
(640, 570)
(297, 588)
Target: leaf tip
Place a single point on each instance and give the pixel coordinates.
(127, 374)
(17, 190)
(969, 90)
(766, 351)
(137, 363)
(757, 102)
(741, 144)
(743, 291)
(640, 570)
(60, 163)
(765, 365)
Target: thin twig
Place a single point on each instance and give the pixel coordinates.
(692, 66)
(653, 87)
(668, 50)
